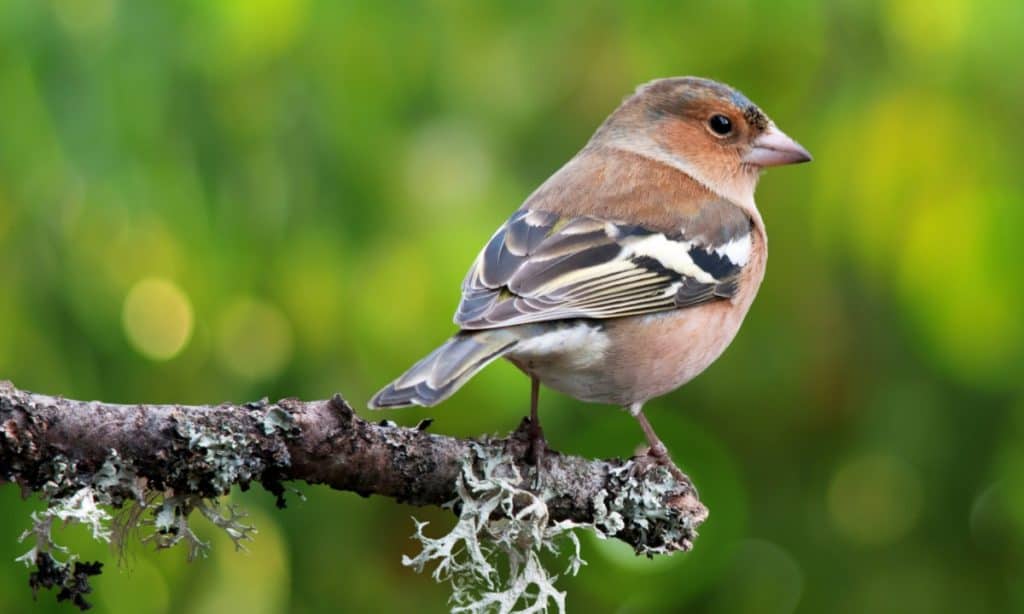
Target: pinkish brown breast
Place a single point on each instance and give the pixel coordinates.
(643, 357)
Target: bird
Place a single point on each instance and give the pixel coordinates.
(630, 270)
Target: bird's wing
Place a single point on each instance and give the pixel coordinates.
(541, 266)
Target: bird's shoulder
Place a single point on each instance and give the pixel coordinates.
(614, 184)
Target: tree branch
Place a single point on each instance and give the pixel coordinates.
(57, 446)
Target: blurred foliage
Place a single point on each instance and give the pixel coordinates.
(224, 200)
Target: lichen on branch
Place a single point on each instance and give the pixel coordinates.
(160, 463)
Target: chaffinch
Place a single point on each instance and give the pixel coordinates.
(629, 271)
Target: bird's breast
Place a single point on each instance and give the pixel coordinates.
(627, 360)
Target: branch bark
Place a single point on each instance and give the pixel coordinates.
(204, 450)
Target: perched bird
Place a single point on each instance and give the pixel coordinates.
(629, 271)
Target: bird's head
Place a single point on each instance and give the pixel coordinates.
(707, 129)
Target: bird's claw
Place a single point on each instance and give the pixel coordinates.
(658, 455)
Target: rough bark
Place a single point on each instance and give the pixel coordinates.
(204, 450)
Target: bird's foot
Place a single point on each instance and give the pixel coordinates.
(658, 455)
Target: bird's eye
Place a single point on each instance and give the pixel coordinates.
(720, 125)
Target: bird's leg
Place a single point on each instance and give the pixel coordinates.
(658, 452)
(537, 443)
(658, 449)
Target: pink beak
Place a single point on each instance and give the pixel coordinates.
(774, 148)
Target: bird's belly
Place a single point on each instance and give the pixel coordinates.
(677, 346)
(571, 358)
(630, 360)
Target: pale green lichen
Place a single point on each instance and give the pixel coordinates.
(225, 457)
(640, 504)
(116, 484)
(59, 471)
(277, 419)
(205, 462)
(170, 524)
(498, 520)
(81, 507)
(493, 557)
(68, 576)
(118, 480)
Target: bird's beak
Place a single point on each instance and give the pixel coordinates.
(774, 148)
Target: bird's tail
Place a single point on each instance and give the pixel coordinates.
(443, 371)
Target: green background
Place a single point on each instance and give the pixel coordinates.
(210, 200)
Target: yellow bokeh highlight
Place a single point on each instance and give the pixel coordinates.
(900, 165)
(957, 292)
(254, 339)
(157, 318)
(923, 224)
(874, 499)
(253, 30)
(925, 27)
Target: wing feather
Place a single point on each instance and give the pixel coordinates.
(540, 267)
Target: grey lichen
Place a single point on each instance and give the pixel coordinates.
(83, 506)
(146, 469)
(118, 481)
(501, 517)
(116, 485)
(213, 458)
(636, 500)
(498, 519)
(170, 523)
(275, 419)
(224, 459)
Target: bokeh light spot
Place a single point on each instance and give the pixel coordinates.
(984, 347)
(874, 499)
(254, 30)
(923, 221)
(157, 318)
(923, 29)
(254, 339)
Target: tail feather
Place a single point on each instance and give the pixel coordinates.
(437, 376)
